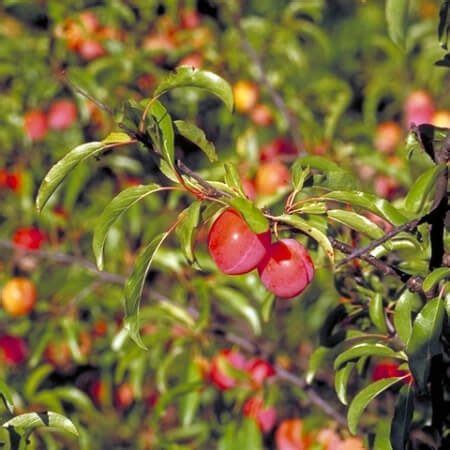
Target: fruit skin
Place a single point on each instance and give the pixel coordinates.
(270, 177)
(35, 125)
(261, 115)
(249, 188)
(246, 95)
(418, 108)
(289, 436)
(388, 369)
(10, 180)
(441, 119)
(194, 60)
(58, 354)
(123, 396)
(386, 186)
(265, 417)
(19, 296)
(217, 372)
(30, 238)
(387, 137)
(62, 114)
(234, 247)
(90, 49)
(13, 350)
(278, 149)
(287, 268)
(259, 371)
(190, 19)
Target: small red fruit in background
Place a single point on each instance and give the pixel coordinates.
(35, 124)
(249, 188)
(218, 375)
(278, 149)
(265, 417)
(387, 137)
(62, 114)
(261, 115)
(58, 354)
(290, 436)
(389, 369)
(123, 396)
(91, 49)
(259, 371)
(97, 391)
(234, 247)
(246, 94)
(19, 296)
(89, 21)
(270, 177)
(10, 180)
(194, 60)
(30, 238)
(385, 186)
(287, 268)
(190, 19)
(13, 350)
(418, 108)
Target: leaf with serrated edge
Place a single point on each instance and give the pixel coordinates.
(197, 137)
(61, 169)
(135, 285)
(190, 77)
(31, 421)
(118, 206)
(364, 397)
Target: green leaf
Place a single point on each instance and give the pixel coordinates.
(420, 198)
(233, 179)
(425, 340)
(252, 215)
(364, 397)
(61, 169)
(444, 24)
(401, 422)
(164, 137)
(356, 222)
(402, 314)
(371, 203)
(31, 421)
(135, 285)
(317, 360)
(6, 394)
(177, 313)
(194, 134)
(118, 206)
(189, 403)
(240, 304)
(341, 378)
(364, 349)
(306, 228)
(267, 306)
(187, 228)
(376, 312)
(397, 20)
(382, 438)
(117, 138)
(435, 277)
(190, 77)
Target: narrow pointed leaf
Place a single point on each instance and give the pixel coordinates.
(364, 397)
(6, 394)
(364, 349)
(402, 314)
(317, 360)
(63, 167)
(194, 134)
(401, 421)
(397, 20)
(187, 228)
(165, 141)
(425, 340)
(252, 215)
(376, 312)
(356, 222)
(118, 206)
(341, 378)
(31, 421)
(190, 77)
(135, 285)
(435, 277)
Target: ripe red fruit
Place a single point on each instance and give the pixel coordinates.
(10, 180)
(246, 94)
(30, 238)
(219, 372)
(290, 436)
(19, 296)
(35, 124)
(387, 137)
(13, 350)
(261, 115)
(259, 370)
(389, 369)
(279, 148)
(265, 417)
(270, 177)
(234, 247)
(418, 108)
(123, 396)
(441, 119)
(287, 268)
(62, 114)
(98, 391)
(386, 186)
(190, 19)
(249, 188)
(194, 60)
(90, 21)
(58, 354)
(90, 49)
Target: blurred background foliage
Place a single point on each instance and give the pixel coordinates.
(340, 76)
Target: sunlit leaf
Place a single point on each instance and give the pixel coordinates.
(196, 136)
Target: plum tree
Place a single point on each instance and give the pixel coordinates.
(19, 296)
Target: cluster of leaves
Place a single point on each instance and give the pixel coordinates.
(181, 324)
